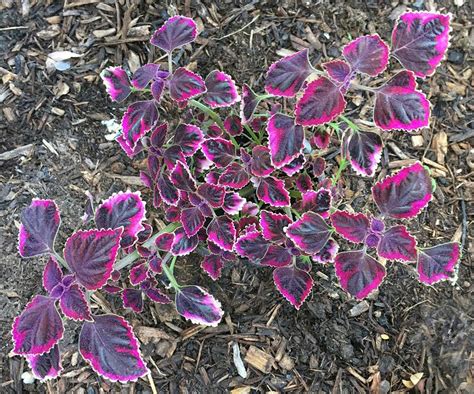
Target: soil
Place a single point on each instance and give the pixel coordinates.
(406, 329)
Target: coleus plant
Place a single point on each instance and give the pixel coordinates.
(245, 186)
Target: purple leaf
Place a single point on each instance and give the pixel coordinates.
(303, 183)
(157, 89)
(38, 328)
(137, 121)
(222, 232)
(234, 176)
(397, 244)
(404, 194)
(367, 55)
(185, 84)
(272, 191)
(399, 106)
(294, 284)
(248, 104)
(233, 125)
(131, 153)
(182, 244)
(192, 220)
(233, 203)
(145, 234)
(365, 150)
(219, 150)
(52, 274)
(252, 245)
(133, 299)
(420, 41)
(172, 155)
(47, 365)
(352, 226)
(338, 70)
(189, 138)
(273, 225)
(116, 83)
(168, 192)
(438, 262)
(156, 295)
(213, 194)
(175, 32)
(321, 102)
(212, 265)
(91, 255)
(358, 273)
(156, 264)
(294, 166)
(158, 135)
(39, 226)
(123, 209)
(321, 138)
(287, 76)
(182, 178)
(221, 90)
(198, 306)
(309, 233)
(138, 273)
(285, 139)
(164, 241)
(316, 201)
(319, 165)
(74, 305)
(261, 164)
(327, 253)
(110, 347)
(146, 73)
(277, 256)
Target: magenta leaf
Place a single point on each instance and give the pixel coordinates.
(145, 234)
(221, 90)
(110, 347)
(234, 176)
(182, 244)
(212, 264)
(47, 365)
(316, 201)
(52, 274)
(294, 284)
(285, 139)
(261, 162)
(222, 232)
(133, 299)
(404, 194)
(167, 191)
(294, 166)
(303, 183)
(397, 243)
(287, 76)
(123, 209)
(198, 306)
(233, 125)
(138, 273)
(91, 255)
(172, 155)
(38, 328)
(420, 41)
(321, 138)
(252, 245)
(164, 241)
(74, 305)
(277, 256)
(273, 225)
(131, 152)
(328, 253)
(192, 220)
(365, 150)
(116, 83)
(144, 75)
(367, 55)
(189, 138)
(156, 264)
(272, 191)
(399, 106)
(310, 233)
(138, 120)
(358, 273)
(248, 104)
(319, 165)
(352, 226)
(39, 226)
(175, 32)
(321, 102)
(438, 262)
(157, 89)
(185, 84)
(233, 203)
(338, 70)
(181, 177)
(219, 150)
(156, 295)
(213, 194)
(158, 135)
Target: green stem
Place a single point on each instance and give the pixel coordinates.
(264, 96)
(169, 274)
(170, 62)
(173, 262)
(342, 166)
(60, 260)
(254, 136)
(212, 114)
(350, 123)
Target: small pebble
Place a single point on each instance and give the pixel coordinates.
(455, 56)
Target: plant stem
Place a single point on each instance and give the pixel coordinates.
(208, 111)
(169, 274)
(350, 123)
(60, 260)
(342, 166)
(173, 262)
(264, 96)
(362, 87)
(170, 62)
(254, 136)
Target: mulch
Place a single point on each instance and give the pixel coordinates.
(53, 144)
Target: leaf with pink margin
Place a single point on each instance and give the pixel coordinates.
(38, 328)
(173, 155)
(404, 194)
(181, 177)
(184, 85)
(261, 164)
(273, 225)
(321, 102)
(321, 138)
(164, 241)
(158, 135)
(168, 192)
(192, 220)
(138, 273)
(233, 125)
(123, 209)
(399, 106)
(131, 153)
(252, 245)
(145, 234)
(52, 274)
(285, 139)
(182, 244)
(277, 256)
(212, 265)
(156, 295)
(39, 226)
(272, 191)
(219, 150)
(133, 299)
(338, 70)
(189, 138)
(294, 284)
(367, 54)
(234, 176)
(328, 253)
(316, 201)
(319, 165)
(172, 214)
(365, 150)
(358, 273)
(353, 227)
(233, 203)
(303, 183)
(110, 347)
(248, 104)
(47, 365)
(420, 41)
(438, 262)
(309, 233)
(156, 264)
(221, 90)
(287, 76)
(221, 231)
(175, 32)
(295, 166)
(144, 75)
(157, 88)
(397, 243)
(198, 306)
(213, 194)
(74, 305)
(139, 118)
(91, 255)
(116, 83)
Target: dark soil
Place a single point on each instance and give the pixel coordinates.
(409, 328)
